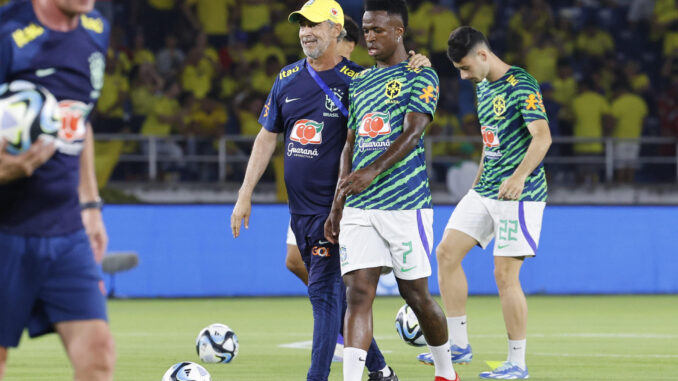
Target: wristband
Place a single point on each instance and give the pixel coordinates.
(92, 205)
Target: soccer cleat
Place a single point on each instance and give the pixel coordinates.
(456, 378)
(506, 371)
(379, 376)
(459, 355)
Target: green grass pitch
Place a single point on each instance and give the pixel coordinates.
(569, 338)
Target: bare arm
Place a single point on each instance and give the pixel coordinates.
(512, 187)
(414, 125)
(88, 191)
(332, 223)
(263, 148)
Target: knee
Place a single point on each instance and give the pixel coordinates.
(359, 294)
(98, 355)
(504, 278)
(414, 298)
(443, 254)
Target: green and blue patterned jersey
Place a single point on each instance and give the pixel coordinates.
(379, 98)
(505, 108)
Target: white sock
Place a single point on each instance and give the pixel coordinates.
(441, 360)
(354, 363)
(516, 352)
(457, 331)
(386, 372)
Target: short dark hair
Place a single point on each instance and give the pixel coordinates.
(352, 30)
(392, 7)
(462, 40)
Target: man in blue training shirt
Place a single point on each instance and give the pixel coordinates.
(314, 125)
(51, 230)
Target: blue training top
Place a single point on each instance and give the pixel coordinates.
(314, 130)
(71, 66)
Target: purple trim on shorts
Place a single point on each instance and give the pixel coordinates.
(523, 226)
(422, 232)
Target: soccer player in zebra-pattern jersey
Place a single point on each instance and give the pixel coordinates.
(506, 201)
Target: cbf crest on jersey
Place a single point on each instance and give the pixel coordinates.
(329, 104)
(393, 88)
(97, 65)
(499, 106)
(307, 131)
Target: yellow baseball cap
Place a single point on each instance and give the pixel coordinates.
(318, 11)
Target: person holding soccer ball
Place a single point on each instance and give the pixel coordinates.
(506, 201)
(51, 228)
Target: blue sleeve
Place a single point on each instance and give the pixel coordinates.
(270, 117)
(5, 59)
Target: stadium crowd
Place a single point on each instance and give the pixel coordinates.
(202, 69)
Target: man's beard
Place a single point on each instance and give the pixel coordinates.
(316, 52)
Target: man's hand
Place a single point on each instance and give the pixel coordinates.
(242, 209)
(332, 225)
(357, 181)
(96, 231)
(418, 60)
(511, 188)
(13, 167)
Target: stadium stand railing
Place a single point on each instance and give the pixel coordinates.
(605, 161)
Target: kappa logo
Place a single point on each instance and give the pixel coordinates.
(535, 102)
(490, 137)
(375, 123)
(306, 131)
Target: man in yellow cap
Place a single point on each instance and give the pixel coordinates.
(308, 105)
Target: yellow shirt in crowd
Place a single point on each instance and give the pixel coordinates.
(114, 84)
(629, 111)
(162, 106)
(213, 15)
(589, 109)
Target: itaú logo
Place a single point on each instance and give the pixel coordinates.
(490, 136)
(307, 131)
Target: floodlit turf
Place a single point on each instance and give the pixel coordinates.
(569, 338)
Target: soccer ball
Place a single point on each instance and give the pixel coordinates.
(408, 328)
(186, 371)
(217, 343)
(26, 112)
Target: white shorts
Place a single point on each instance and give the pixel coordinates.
(395, 239)
(515, 225)
(291, 239)
(626, 154)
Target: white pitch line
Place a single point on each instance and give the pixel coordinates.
(609, 355)
(307, 345)
(658, 336)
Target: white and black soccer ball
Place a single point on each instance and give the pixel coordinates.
(186, 371)
(26, 112)
(217, 343)
(407, 326)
